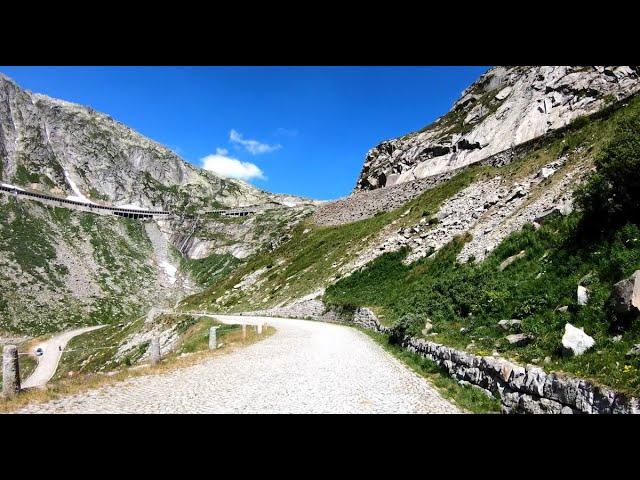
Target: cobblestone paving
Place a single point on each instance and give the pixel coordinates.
(305, 367)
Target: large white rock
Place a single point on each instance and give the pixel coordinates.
(583, 295)
(504, 93)
(546, 172)
(575, 340)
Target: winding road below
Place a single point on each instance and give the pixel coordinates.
(305, 367)
(52, 352)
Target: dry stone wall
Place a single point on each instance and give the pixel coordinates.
(527, 389)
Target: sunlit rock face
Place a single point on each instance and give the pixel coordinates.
(505, 107)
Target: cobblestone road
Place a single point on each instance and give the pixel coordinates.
(305, 367)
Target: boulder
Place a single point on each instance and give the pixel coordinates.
(504, 93)
(583, 295)
(518, 192)
(634, 352)
(546, 172)
(513, 325)
(626, 296)
(575, 340)
(428, 326)
(519, 339)
(511, 259)
(547, 215)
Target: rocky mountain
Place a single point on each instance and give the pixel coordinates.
(61, 267)
(505, 107)
(67, 149)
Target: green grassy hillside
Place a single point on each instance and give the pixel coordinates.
(61, 268)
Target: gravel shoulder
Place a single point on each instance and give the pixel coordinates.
(305, 367)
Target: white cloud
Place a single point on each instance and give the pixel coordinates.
(254, 147)
(223, 165)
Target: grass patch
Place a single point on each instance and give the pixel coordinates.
(206, 271)
(24, 176)
(24, 237)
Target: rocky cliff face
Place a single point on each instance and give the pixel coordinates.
(64, 148)
(505, 107)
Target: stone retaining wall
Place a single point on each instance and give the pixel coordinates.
(521, 389)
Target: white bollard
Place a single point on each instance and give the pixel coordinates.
(244, 331)
(155, 350)
(213, 338)
(259, 329)
(10, 371)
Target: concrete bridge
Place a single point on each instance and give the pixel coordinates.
(136, 213)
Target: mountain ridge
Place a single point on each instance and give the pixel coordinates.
(61, 147)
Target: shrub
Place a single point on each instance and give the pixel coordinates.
(611, 195)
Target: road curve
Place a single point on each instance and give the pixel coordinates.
(48, 362)
(305, 367)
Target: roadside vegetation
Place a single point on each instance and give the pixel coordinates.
(208, 270)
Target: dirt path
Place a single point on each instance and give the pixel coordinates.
(48, 362)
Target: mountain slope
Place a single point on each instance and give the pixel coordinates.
(64, 148)
(61, 268)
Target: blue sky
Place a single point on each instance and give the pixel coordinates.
(299, 130)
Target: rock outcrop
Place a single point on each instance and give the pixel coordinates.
(626, 296)
(505, 107)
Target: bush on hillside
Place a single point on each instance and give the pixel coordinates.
(611, 195)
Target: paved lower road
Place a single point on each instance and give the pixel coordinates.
(52, 351)
(305, 367)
